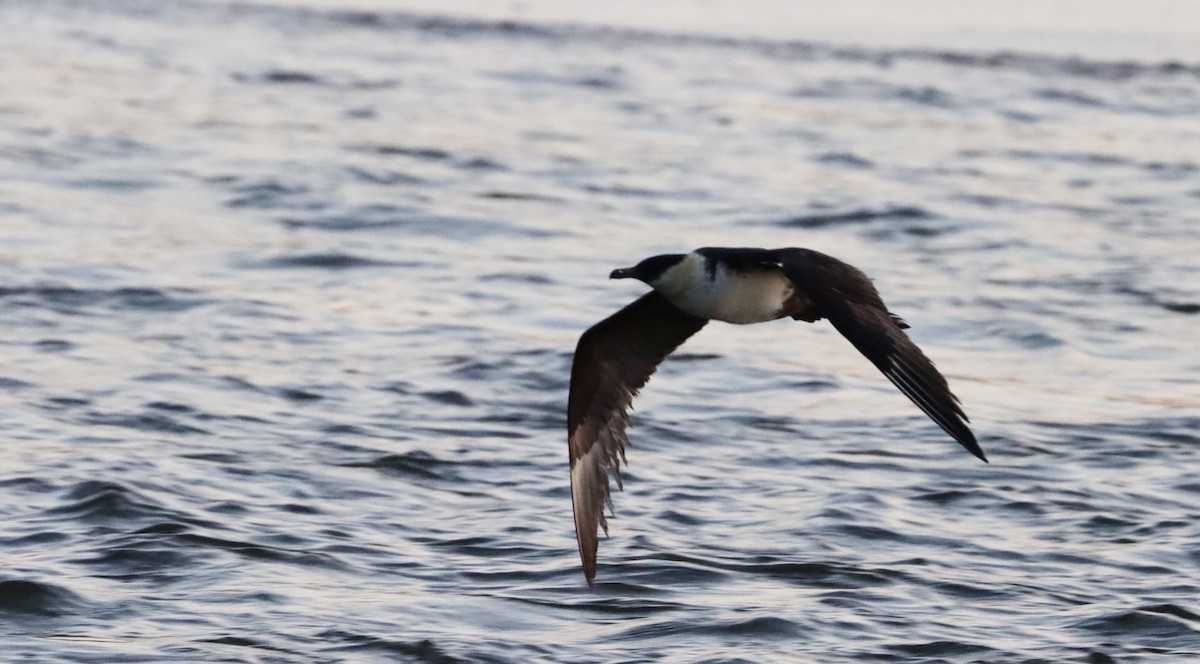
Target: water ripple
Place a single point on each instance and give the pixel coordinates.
(288, 332)
(20, 597)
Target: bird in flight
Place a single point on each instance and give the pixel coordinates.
(615, 357)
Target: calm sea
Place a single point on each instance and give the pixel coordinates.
(289, 293)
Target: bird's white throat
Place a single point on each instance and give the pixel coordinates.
(741, 297)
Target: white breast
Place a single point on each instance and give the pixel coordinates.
(725, 295)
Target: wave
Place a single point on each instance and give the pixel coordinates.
(72, 300)
(35, 598)
(463, 27)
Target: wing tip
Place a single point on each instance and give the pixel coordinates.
(978, 451)
(968, 441)
(589, 565)
(588, 559)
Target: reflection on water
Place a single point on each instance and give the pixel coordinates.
(290, 295)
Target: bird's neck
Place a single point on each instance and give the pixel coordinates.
(688, 276)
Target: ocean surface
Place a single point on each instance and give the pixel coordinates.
(289, 294)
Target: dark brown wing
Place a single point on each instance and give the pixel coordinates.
(613, 360)
(846, 296)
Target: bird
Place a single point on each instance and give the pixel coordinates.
(616, 357)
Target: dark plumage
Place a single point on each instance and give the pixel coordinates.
(615, 357)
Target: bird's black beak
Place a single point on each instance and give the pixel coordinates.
(622, 273)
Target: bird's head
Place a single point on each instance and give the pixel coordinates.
(651, 270)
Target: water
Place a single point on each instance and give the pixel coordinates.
(289, 295)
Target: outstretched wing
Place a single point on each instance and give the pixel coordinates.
(613, 360)
(846, 296)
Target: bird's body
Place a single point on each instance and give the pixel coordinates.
(615, 357)
(718, 291)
